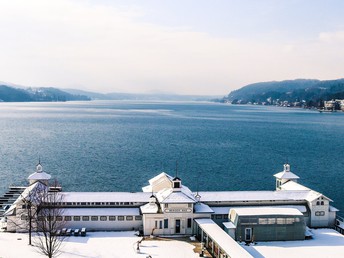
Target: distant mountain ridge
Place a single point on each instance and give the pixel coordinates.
(308, 91)
(142, 96)
(12, 94)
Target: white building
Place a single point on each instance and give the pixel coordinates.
(167, 207)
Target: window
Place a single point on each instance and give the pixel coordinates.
(189, 223)
(129, 218)
(280, 220)
(319, 213)
(68, 218)
(318, 203)
(218, 216)
(121, 218)
(160, 224)
(271, 220)
(297, 220)
(165, 223)
(138, 217)
(189, 205)
(322, 202)
(94, 218)
(225, 216)
(24, 217)
(85, 218)
(263, 221)
(58, 218)
(289, 220)
(76, 218)
(40, 218)
(112, 218)
(176, 184)
(103, 218)
(156, 224)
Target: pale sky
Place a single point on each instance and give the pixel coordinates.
(181, 46)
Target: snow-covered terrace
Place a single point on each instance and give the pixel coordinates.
(104, 197)
(246, 196)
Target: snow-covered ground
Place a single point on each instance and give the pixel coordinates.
(325, 243)
(99, 244)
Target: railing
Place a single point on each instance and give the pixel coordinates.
(339, 225)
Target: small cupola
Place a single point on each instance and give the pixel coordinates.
(39, 175)
(198, 197)
(176, 183)
(152, 199)
(285, 176)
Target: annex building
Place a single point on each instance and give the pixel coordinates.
(167, 207)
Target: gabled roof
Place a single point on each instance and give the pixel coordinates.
(39, 176)
(202, 208)
(311, 194)
(159, 180)
(30, 194)
(286, 173)
(149, 208)
(169, 196)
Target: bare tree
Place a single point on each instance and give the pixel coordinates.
(49, 223)
(26, 207)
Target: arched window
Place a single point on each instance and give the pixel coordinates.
(318, 203)
(322, 202)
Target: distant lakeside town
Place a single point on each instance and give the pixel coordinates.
(325, 106)
(325, 96)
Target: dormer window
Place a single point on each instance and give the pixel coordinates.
(176, 184)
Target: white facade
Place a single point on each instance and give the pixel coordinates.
(167, 207)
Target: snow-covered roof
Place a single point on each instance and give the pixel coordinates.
(266, 211)
(101, 212)
(202, 208)
(105, 197)
(286, 173)
(220, 210)
(236, 196)
(169, 196)
(39, 176)
(159, 178)
(225, 210)
(228, 244)
(333, 208)
(158, 183)
(228, 225)
(149, 208)
(30, 194)
(311, 194)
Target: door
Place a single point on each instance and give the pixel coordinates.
(177, 226)
(248, 234)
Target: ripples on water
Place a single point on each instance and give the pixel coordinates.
(118, 146)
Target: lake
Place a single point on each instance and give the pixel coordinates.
(120, 145)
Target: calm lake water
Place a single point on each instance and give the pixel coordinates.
(120, 145)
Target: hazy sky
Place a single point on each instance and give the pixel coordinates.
(181, 46)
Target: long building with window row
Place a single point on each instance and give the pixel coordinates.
(167, 207)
